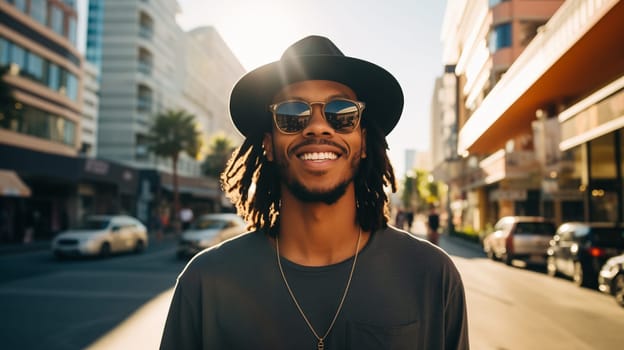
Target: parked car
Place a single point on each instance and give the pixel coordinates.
(579, 250)
(101, 235)
(519, 237)
(611, 278)
(208, 230)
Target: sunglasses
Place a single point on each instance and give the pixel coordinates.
(293, 116)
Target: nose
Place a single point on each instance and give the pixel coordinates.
(318, 125)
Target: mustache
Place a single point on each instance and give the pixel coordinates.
(317, 142)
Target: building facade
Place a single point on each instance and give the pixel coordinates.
(149, 65)
(539, 112)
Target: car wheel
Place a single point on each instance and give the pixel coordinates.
(507, 258)
(618, 289)
(105, 250)
(139, 246)
(551, 267)
(581, 277)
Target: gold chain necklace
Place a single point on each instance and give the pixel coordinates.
(321, 340)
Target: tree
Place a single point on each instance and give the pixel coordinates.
(219, 151)
(172, 133)
(419, 190)
(7, 101)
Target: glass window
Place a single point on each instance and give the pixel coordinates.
(54, 77)
(493, 3)
(35, 67)
(603, 189)
(4, 51)
(72, 86)
(70, 132)
(56, 19)
(18, 56)
(38, 10)
(20, 4)
(72, 36)
(500, 37)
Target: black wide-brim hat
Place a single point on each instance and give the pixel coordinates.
(315, 58)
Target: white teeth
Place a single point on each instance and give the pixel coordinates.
(319, 156)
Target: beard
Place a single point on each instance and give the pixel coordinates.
(328, 197)
(307, 195)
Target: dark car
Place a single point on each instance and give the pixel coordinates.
(519, 237)
(611, 278)
(579, 250)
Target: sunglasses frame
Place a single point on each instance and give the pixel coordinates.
(358, 104)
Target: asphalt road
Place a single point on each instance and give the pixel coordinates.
(86, 303)
(121, 303)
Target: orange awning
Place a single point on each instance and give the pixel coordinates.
(11, 185)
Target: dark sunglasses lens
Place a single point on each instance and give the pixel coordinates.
(342, 115)
(292, 116)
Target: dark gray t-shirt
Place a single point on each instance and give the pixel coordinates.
(405, 294)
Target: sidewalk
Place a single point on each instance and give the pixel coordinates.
(16, 248)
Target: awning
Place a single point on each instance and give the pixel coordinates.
(11, 185)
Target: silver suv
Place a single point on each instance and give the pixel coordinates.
(520, 237)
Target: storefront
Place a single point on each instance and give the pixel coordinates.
(62, 190)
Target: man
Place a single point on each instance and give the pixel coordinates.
(433, 225)
(321, 269)
(186, 216)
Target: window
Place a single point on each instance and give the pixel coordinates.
(493, 3)
(35, 67)
(18, 56)
(20, 4)
(4, 52)
(145, 99)
(54, 77)
(145, 61)
(146, 26)
(72, 86)
(56, 19)
(72, 31)
(500, 37)
(38, 10)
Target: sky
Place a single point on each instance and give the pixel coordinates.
(403, 36)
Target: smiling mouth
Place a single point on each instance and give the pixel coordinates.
(318, 156)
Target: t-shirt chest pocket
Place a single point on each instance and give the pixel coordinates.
(362, 336)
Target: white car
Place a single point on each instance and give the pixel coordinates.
(208, 230)
(102, 235)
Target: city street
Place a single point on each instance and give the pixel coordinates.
(121, 303)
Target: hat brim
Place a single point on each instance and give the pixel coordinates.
(372, 84)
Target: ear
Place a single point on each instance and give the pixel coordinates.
(363, 153)
(267, 144)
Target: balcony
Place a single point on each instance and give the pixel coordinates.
(575, 52)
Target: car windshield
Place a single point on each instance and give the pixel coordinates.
(535, 228)
(613, 237)
(93, 224)
(208, 223)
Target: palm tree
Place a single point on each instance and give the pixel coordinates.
(7, 101)
(172, 133)
(219, 151)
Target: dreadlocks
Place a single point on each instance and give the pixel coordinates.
(252, 183)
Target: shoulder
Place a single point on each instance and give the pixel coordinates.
(402, 248)
(234, 256)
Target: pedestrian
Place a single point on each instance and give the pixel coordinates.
(409, 219)
(433, 225)
(186, 216)
(321, 268)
